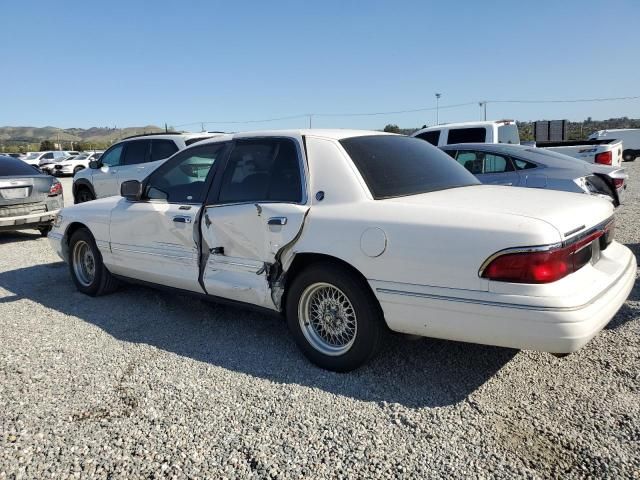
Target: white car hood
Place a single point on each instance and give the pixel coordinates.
(563, 210)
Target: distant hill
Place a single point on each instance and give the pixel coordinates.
(98, 137)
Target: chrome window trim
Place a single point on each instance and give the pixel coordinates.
(545, 248)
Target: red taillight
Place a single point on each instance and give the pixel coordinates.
(604, 158)
(618, 182)
(541, 267)
(56, 189)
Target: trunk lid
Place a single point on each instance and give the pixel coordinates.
(569, 213)
(21, 190)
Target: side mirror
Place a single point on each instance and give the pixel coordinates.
(94, 164)
(131, 190)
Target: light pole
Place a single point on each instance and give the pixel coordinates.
(438, 95)
(483, 104)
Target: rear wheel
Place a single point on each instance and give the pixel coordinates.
(85, 263)
(83, 194)
(334, 318)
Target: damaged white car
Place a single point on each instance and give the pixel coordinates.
(350, 234)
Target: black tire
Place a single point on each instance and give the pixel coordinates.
(77, 169)
(83, 194)
(101, 282)
(369, 321)
(44, 230)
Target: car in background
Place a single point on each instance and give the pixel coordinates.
(524, 166)
(130, 159)
(488, 131)
(48, 167)
(630, 138)
(72, 165)
(604, 152)
(14, 155)
(29, 199)
(351, 233)
(39, 159)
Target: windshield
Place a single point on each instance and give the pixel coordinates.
(82, 156)
(508, 134)
(395, 166)
(33, 156)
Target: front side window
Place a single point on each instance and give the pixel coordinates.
(432, 137)
(48, 156)
(467, 135)
(112, 157)
(136, 152)
(394, 166)
(183, 178)
(161, 149)
(264, 170)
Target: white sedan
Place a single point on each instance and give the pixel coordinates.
(350, 234)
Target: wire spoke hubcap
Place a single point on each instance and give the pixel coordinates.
(327, 319)
(84, 263)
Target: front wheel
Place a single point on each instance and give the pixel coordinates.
(44, 230)
(334, 317)
(85, 263)
(83, 195)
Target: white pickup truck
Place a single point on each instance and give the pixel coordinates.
(630, 138)
(603, 152)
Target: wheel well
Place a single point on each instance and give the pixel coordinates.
(302, 261)
(71, 229)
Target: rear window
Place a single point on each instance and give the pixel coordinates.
(10, 166)
(395, 166)
(162, 149)
(467, 135)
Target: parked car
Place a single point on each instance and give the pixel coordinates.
(72, 165)
(29, 199)
(130, 159)
(350, 233)
(604, 152)
(49, 167)
(39, 159)
(630, 138)
(522, 166)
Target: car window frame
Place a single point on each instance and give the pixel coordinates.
(214, 194)
(176, 158)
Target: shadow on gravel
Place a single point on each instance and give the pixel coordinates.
(415, 373)
(19, 236)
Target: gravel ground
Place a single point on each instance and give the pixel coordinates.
(148, 384)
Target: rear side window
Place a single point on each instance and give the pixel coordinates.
(136, 152)
(161, 149)
(394, 166)
(523, 164)
(11, 166)
(432, 137)
(478, 162)
(265, 170)
(467, 135)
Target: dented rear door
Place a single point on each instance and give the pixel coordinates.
(258, 212)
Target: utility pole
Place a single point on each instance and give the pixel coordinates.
(311, 120)
(483, 104)
(438, 95)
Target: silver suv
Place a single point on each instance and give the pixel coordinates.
(130, 159)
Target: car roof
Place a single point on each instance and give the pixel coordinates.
(479, 123)
(333, 134)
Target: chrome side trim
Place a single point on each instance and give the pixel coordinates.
(128, 250)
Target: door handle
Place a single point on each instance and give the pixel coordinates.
(277, 221)
(182, 219)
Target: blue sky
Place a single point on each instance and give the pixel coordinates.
(131, 63)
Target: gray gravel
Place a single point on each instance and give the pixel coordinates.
(148, 384)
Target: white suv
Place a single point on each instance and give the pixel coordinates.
(130, 159)
(72, 165)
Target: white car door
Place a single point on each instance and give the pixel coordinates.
(105, 178)
(259, 208)
(156, 239)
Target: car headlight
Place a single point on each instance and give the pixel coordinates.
(57, 220)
